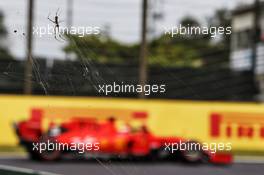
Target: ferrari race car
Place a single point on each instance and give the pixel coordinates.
(95, 138)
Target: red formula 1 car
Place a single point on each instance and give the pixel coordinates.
(103, 138)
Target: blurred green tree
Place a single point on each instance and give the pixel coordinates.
(4, 53)
(221, 47)
(182, 51)
(222, 18)
(100, 48)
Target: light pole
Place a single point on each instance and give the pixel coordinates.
(143, 49)
(29, 61)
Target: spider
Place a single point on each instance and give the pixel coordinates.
(57, 25)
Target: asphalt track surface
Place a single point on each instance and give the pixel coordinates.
(96, 167)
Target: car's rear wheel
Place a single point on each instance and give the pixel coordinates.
(50, 153)
(193, 155)
(34, 155)
(159, 154)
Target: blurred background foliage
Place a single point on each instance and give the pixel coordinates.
(166, 51)
(4, 52)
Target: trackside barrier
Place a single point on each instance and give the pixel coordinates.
(242, 124)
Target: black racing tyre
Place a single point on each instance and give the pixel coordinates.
(160, 154)
(192, 155)
(34, 155)
(49, 154)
